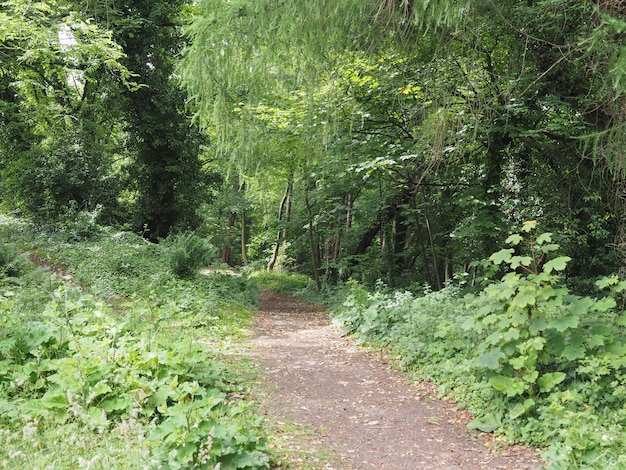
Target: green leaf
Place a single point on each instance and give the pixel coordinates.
(549, 247)
(518, 362)
(101, 388)
(596, 340)
(488, 423)
(514, 239)
(557, 264)
(507, 385)
(55, 398)
(607, 282)
(565, 323)
(580, 306)
(503, 255)
(537, 325)
(544, 238)
(521, 408)
(605, 304)
(531, 377)
(520, 261)
(523, 299)
(115, 404)
(548, 381)
(573, 352)
(490, 360)
(529, 225)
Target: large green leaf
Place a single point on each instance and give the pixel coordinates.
(507, 385)
(517, 261)
(488, 423)
(491, 359)
(571, 352)
(548, 381)
(514, 239)
(544, 238)
(565, 323)
(557, 264)
(521, 408)
(529, 225)
(524, 299)
(501, 256)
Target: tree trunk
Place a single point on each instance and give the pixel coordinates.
(284, 212)
(226, 254)
(244, 254)
(433, 251)
(315, 263)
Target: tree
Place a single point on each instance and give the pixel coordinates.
(58, 138)
(167, 170)
(432, 126)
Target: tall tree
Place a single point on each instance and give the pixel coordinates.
(57, 136)
(167, 169)
(437, 134)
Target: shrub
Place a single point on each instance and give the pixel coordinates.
(13, 263)
(187, 253)
(532, 360)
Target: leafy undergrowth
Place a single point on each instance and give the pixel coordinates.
(127, 366)
(533, 361)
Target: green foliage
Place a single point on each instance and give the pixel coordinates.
(532, 360)
(59, 139)
(279, 282)
(13, 262)
(537, 328)
(187, 253)
(165, 172)
(136, 382)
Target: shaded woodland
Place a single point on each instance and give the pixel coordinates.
(393, 140)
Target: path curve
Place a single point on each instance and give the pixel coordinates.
(359, 406)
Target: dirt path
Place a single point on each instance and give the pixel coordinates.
(358, 407)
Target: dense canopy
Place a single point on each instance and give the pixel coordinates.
(381, 139)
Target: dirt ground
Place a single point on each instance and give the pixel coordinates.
(360, 412)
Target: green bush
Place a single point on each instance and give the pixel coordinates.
(533, 361)
(13, 262)
(136, 382)
(187, 253)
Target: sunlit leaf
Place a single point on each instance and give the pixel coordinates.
(501, 256)
(514, 239)
(544, 238)
(523, 299)
(557, 264)
(520, 261)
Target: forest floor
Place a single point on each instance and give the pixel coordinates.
(359, 412)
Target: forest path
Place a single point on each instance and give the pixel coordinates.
(355, 404)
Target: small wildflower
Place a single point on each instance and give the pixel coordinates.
(30, 429)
